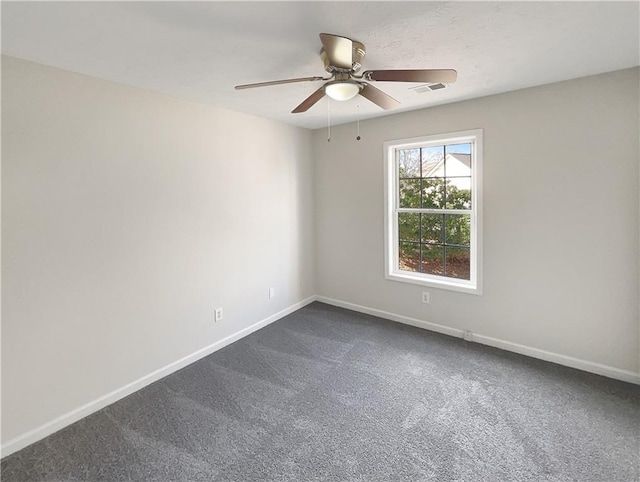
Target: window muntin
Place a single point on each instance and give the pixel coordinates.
(432, 210)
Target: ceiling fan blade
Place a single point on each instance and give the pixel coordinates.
(309, 101)
(446, 76)
(339, 50)
(278, 82)
(378, 97)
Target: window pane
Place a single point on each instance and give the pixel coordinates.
(433, 193)
(409, 163)
(409, 256)
(432, 228)
(458, 229)
(458, 165)
(409, 193)
(458, 263)
(459, 193)
(433, 161)
(409, 227)
(464, 148)
(432, 259)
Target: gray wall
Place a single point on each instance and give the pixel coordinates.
(128, 217)
(561, 218)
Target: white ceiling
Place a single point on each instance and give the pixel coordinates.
(200, 50)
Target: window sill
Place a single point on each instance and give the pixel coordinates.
(462, 286)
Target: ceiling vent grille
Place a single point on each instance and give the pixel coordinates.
(421, 89)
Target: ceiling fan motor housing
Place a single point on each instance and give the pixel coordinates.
(358, 53)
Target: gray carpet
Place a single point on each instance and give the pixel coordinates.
(329, 394)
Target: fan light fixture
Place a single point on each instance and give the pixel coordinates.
(342, 90)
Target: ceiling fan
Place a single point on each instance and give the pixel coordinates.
(342, 57)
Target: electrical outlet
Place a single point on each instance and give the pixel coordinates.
(272, 293)
(426, 298)
(217, 314)
(467, 335)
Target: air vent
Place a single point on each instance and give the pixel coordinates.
(421, 89)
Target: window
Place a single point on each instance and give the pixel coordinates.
(433, 207)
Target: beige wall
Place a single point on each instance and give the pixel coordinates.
(561, 218)
(127, 217)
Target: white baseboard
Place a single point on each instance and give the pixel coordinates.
(392, 316)
(587, 366)
(53, 426)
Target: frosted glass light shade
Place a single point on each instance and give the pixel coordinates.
(342, 90)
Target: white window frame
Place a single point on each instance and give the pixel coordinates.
(391, 199)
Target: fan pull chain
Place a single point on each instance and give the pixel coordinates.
(328, 120)
(358, 124)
